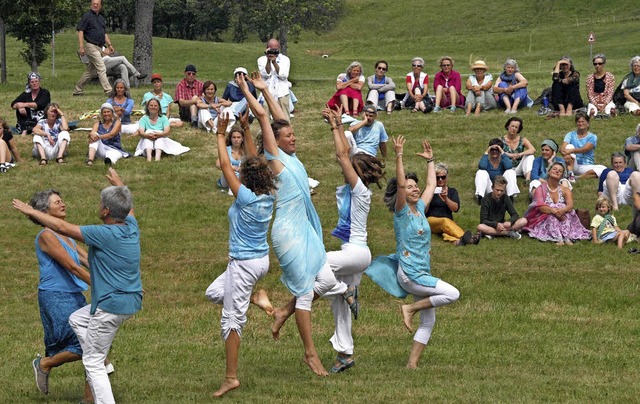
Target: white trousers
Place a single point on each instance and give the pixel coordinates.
(484, 185)
(607, 109)
(204, 116)
(50, 151)
(96, 333)
(325, 281)
(233, 290)
(624, 193)
(440, 295)
(525, 166)
(129, 129)
(104, 151)
(348, 265)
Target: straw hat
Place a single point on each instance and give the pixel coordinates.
(479, 64)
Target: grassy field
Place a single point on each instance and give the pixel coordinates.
(535, 322)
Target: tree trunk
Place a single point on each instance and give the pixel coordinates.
(34, 57)
(143, 37)
(3, 51)
(283, 39)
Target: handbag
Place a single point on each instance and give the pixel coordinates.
(585, 217)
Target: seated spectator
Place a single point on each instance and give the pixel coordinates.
(578, 150)
(632, 149)
(118, 66)
(5, 157)
(620, 183)
(166, 101)
(123, 104)
(440, 211)
(12, 148)
(541, 164)
(188, 92)
(51, 136)
(382, 92)
(492, 213)
(511, 88)
(447, 85)
(518, 148)
(550, 216)
(369, 134)
(104, 138)
(565, 90)
(30, 104)
(154, 132)
(349, 94)
(210, 107)
(480, 85)
(604, 226)
(417, 81)
(634, 226)
(600, 88)
(631, 87)
(233, 97)
(495, 162)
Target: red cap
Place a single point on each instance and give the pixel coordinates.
(156, 76)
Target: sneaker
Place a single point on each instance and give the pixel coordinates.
(141, 76)
(479, 199)
(437, 109)
(230, 192)
(515, 235)
(452, 108)
(488, 237)
(476, 239)
(3, 168)
(507, 111)
(42, 378)
(465, 239)
(194, 124)
(572, 177)
(109, 368)
(107, 161)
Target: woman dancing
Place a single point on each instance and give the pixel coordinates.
(249, 218)
(411, 262)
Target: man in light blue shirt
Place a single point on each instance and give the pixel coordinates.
(370, 134)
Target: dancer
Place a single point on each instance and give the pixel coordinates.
(409, 270)
(296, 234)
(249, 218)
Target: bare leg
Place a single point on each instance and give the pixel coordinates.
(62, 148)
(345, 103)
(516, 104)
(439, 95)
(453, 94)
(569, 109)
(50, 362)
(92, 153)
(561, 109)
(612, 183)
(303, 320)
(409, 310)
(261, 299)
(158, 154)
(14, 150)
(507, 103)
(148, 153)
(41, 152)
(478, 110)
(416, 352)
(232, 347)
(623, 236)
(356, 104)
(280, 316)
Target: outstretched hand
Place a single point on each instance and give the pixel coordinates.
(332, 117)
(427, 151)
(223, 122)
(398, 144)
(244, 119)
(257, 81)
(21, 206)
(114, 178)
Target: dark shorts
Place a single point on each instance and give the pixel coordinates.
(55, 310)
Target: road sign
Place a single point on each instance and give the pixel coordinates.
(592, 38)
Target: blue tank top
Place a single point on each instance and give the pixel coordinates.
(53, 276)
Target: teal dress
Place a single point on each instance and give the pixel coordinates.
(296, 235)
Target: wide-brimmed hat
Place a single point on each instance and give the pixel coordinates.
(479, 64)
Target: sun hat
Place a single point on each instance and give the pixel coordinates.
(479, 64)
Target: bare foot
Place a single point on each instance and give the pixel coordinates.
(261, 299)
(316, 366)
(560, 243)
(568, 242)
(412, 366)
(229, 383)
(280, 317)
(407, 316)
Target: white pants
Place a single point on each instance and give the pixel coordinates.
(440, 295)
(624, 194)
(607, 109)
(50, 151)
(129, 129)
(325, 281)
(104, 151)
(631, 106)
(374, 95)
(634, 160)
(525, 166)
(204, 116)
(96, 333)
(233, 290)
(483, 182)
(348, 265)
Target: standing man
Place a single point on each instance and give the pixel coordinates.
(116, 288)
(274, 69)
(188, 92)
(92, 29)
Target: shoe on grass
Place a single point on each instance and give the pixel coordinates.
(465, 239)
(42, 377)
(515, 235)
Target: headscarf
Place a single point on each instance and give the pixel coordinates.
(31, 76)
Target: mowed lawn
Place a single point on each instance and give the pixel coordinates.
(535, 322)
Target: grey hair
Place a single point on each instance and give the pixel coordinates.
(599, 56)
(40, 202)
(418, 59)
(511, 62)
(118, 200)
(618, 154)
(440, 167)
(634, 60)
(126, 89)
(352, 65)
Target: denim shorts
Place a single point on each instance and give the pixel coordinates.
(55, 309)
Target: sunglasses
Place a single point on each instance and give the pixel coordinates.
(441, 177)
(384, 69)
(598, 63)
(416, 65)
(191, 73)
(445, 65)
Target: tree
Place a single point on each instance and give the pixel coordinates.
(143, 39)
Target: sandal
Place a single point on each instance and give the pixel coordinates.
(345, 364)
(60, 160)
(89, 162)
(44, 162)
(354, 306)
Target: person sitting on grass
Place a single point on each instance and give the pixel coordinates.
(166, 100)
(210, 107)
(495, 162)
(154, 132)
(578, 150)
(12, 155)
(51, 136)
(123, 104)
(604, 226)
(632, 149)
(104, 138)
(30, 104)
(618, 184)
(382, 92)
(440, 211)
(511, 88)
(541, 164)
(492, 213)
(369, 134)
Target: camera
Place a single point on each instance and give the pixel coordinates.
(272, 52)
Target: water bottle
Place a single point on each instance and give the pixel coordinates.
(545, 101)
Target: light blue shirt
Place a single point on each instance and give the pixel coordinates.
(165, 101)
(587, 158)
(114, 259)
(53, 276)
(249, 218)
(368, 138)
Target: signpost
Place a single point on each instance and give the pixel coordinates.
(591, 40)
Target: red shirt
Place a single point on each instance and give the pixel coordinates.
(184, 91)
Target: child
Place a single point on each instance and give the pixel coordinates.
(492, 212)
(604, 226)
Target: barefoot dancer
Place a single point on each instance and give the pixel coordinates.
(409, 269)
(249, 218)
(296, 234)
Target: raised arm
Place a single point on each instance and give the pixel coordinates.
(401, 193)
(223, 156)
(341, 144)
(114, 179)
(250, 149)
(268, 138)
(55, 224)
(430, 186)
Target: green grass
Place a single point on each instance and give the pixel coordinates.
(535, 322)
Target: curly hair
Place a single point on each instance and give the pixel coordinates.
(369, 168)
(392, 190)
(256, 175)
(40, 202)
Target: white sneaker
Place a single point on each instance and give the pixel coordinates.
(109, 368)
(515, 235)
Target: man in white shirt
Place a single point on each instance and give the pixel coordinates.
(274, 68)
